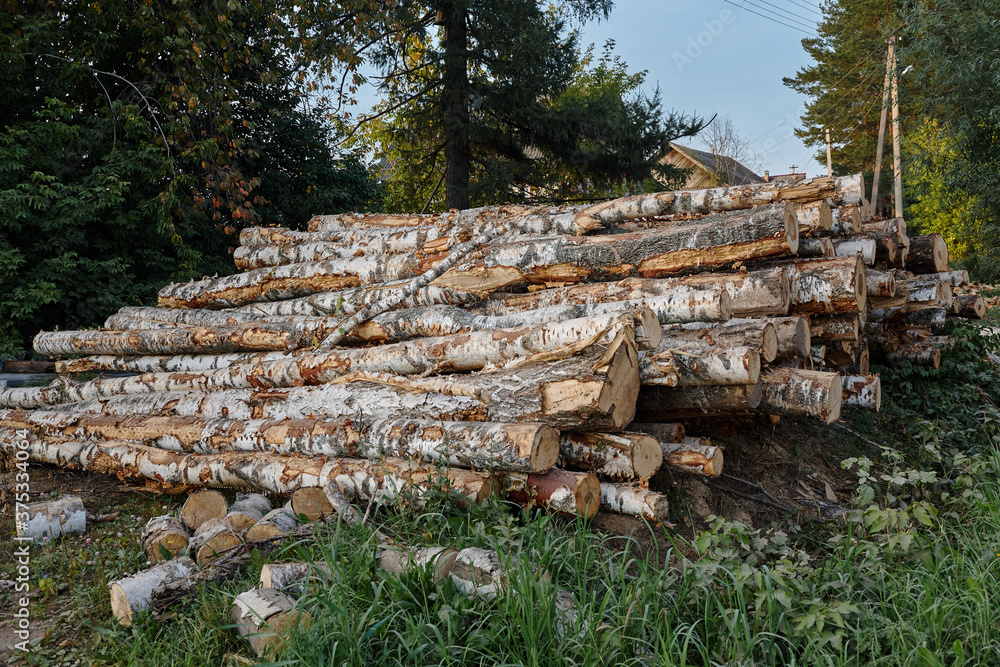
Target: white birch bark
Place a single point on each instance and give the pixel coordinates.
(438, 560)
(818, 246)
(557, 491)
(132, 594)
(798, 392)
(623, 456)
(954, 278)
(857, 246)
(827, 286)
(212, 538)
(279, 521)
(863, 391)
(835, 328)
(52, 518)
(814, 216)
(681, 363)
(294, 578)
(267, 617)
(382, 241)
(748, 332)
(969, 305)
(845, 221)
(880, 284)
(793, 336)
(248, 509)
(625, 499)
(166, 532)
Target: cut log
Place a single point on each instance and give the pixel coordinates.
(665, 403)
(425, 240)
(662, 432)
(679, 363)
(439, 561)
(840, 354)
(557, 491)
(834, 328)
(827, 286)
(468, 217)
(275, 523)
(756, 333)
(819, 246)
(818, 354)
(51, 518)
(928, 254)
(887, 247)
(918, 354)
(954, 278)
(212, 538)
(752, 294)
(248, 509)
(625, 499)
(881, 284)
(694, 455)
(294, 578)
(813, 217)
(863, 391)
(267, 618)
(163, 533)
(927, 316)
(788, 391)
(621, 457)
(472, 351)
(866, 248)
(845, 221)
(970, 305)
(522, 260)
(792, 333)
(132, 594)
(311, 503)
(380, 241)
(595, 390)
(201, 507)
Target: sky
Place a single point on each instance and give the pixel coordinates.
(711, 56)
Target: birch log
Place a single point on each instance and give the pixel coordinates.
(472, 351)
(212, 538)
(267, 617)
(378, 241)
(248, 509)
(866, 248)
(310, 502)
(163, 533)
(680, 363)
(625, 499)
(294, 578)
(928, 254)
(835, 328)
(845, 221)
(51, 518)
(132, 594)
(557, 491)
(276, 523)
(793, 338)
(439, 561)
(523, 260)
(819, 246)
(749, 332)
(752, 293)
(623, 456)
(863, 391)
(201, 507)
(814, 216)
(880, 284)
(827, 286)
(969, 305)
(594, 390)
(467, 217)
(788, 391)
(954, 278)
(694, 455)
(663, 432)
(665, 403)
(887, 247)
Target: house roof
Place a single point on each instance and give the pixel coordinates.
(735, 172)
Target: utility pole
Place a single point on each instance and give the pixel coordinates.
(829, 158)
(897, 168)
(881, 123)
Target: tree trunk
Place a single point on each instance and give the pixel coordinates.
(969, 305)
(248, 509)
(835, 327)
(522, 260)
(792, 335)
(813, 216)
(880, 284)
(481, 217)
(661, 431)
(817, 246)
(887, 247)
(625, 499)
(212, 538)
(294, 578)
(557, 491)
(827, 286)
(455, 98)
(51, 518)
(863, 391)
(267, 617)
(665, 403)
(201, 507)
(750, 332)
(695, 455)
(919, 354)
(796, 392)
(753, 294)
(439, 560)
(163, 532)
(276, 523)
(132, 594)
(680, 363)
(845, 221)
(624, 456)
(953, 278)
(857, 246)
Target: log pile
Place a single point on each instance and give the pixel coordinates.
(543, 354)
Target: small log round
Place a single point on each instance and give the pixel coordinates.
(798, 392)
(835, 327)
(557, 490)
(291, 578)
(439, 560)
(880, 284)
(247, 510)
(682, 402)
(266, 617)
(52, 518)
(793, 338)
(202, 506)
(663, 432)
(621, 456)
(211, 539)
(625, 499)
(818, 246)
(132, 594)
(310, 502)
(863, 391)
(275, 523)
(694, 455)
(928, 254)
(846, 221)
(970, 305)
(166, 532)
(866, 248)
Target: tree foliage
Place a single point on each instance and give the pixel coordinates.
(136, 138)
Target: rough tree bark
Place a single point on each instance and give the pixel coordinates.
(665, 403)
(797, 392)
(51, 518)
(682, 363)
(863, 391)
(625, 499)
(749, 332)
(827, 286)
(557, 491)
(928, 254)
(694, 455)
(793, 336)
(623, 456)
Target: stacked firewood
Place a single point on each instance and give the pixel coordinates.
(543, 354)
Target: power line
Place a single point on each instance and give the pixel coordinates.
(769, 18)
(805, 6)
(770, 12)
(788, 13)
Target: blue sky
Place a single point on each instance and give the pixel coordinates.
(715, 57)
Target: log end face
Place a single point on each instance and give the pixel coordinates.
(755, 394)
(713, 465)
(201, 507)
(312, 503)
(647, 455)
(836, 397)
(543, 448)
(791, 228)
(120, 606)
(861, 284)
(621, 389)
(588, 496)
(769, 344)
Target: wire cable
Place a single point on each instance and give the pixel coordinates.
(770, 18)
